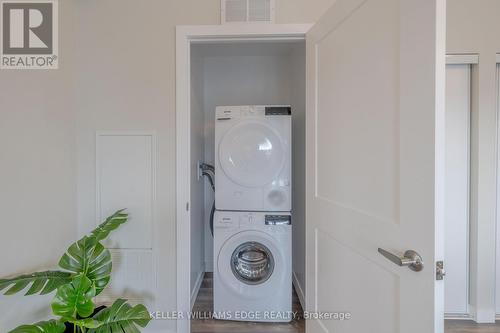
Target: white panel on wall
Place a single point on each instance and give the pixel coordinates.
(125, 165)
(457, 188)
(131, 278)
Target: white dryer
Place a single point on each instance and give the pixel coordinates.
(253, 266)
(253, 158)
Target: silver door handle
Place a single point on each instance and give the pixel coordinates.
(411, 259)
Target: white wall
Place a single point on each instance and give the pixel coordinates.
(37, 173)
(126, 81)
(300, 11)
(473, 27)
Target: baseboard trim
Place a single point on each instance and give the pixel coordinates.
(197, 285)
(484, 316)
(458, 316)
(299, 290)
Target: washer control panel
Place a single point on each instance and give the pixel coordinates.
(278, 220)
(251, 219)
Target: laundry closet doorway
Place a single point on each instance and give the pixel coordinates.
(261, 65)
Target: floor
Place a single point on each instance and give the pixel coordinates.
(204, 305)
(466, 326)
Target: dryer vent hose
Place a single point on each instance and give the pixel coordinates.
(209, 172)
(212, 219)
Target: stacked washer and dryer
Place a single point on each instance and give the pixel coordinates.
(252, 223)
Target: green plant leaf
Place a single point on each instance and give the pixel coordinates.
(111, 223)
(74, 298)
(86, 322)
(88, 257)
(41, 282)
(121, 317)
(51, 326)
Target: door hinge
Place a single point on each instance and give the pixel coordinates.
(440, 272)
(187, 206)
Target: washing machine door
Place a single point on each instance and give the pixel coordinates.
(252, 154)
(251, 265)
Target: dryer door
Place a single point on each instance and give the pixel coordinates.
(251, 265)
(252, 154)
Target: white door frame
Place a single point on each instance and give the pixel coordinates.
(185, 36)
(497, 222)
(465, 59)
(462, 59)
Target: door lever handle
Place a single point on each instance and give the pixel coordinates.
(411, 259)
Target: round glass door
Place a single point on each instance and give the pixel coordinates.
(252, 263)
(251, 154)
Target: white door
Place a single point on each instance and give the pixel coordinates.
(375, 159)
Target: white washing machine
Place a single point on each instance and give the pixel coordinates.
(253, 158)
(253, 266)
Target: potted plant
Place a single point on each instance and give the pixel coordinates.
(86, 271)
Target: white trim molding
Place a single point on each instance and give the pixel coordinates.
(462, 59)
(458, 316)
(299, 290)
(197, 286)
(497, 257)
(152, 135)
(238, 33)
(484, 171)
(185, 36)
